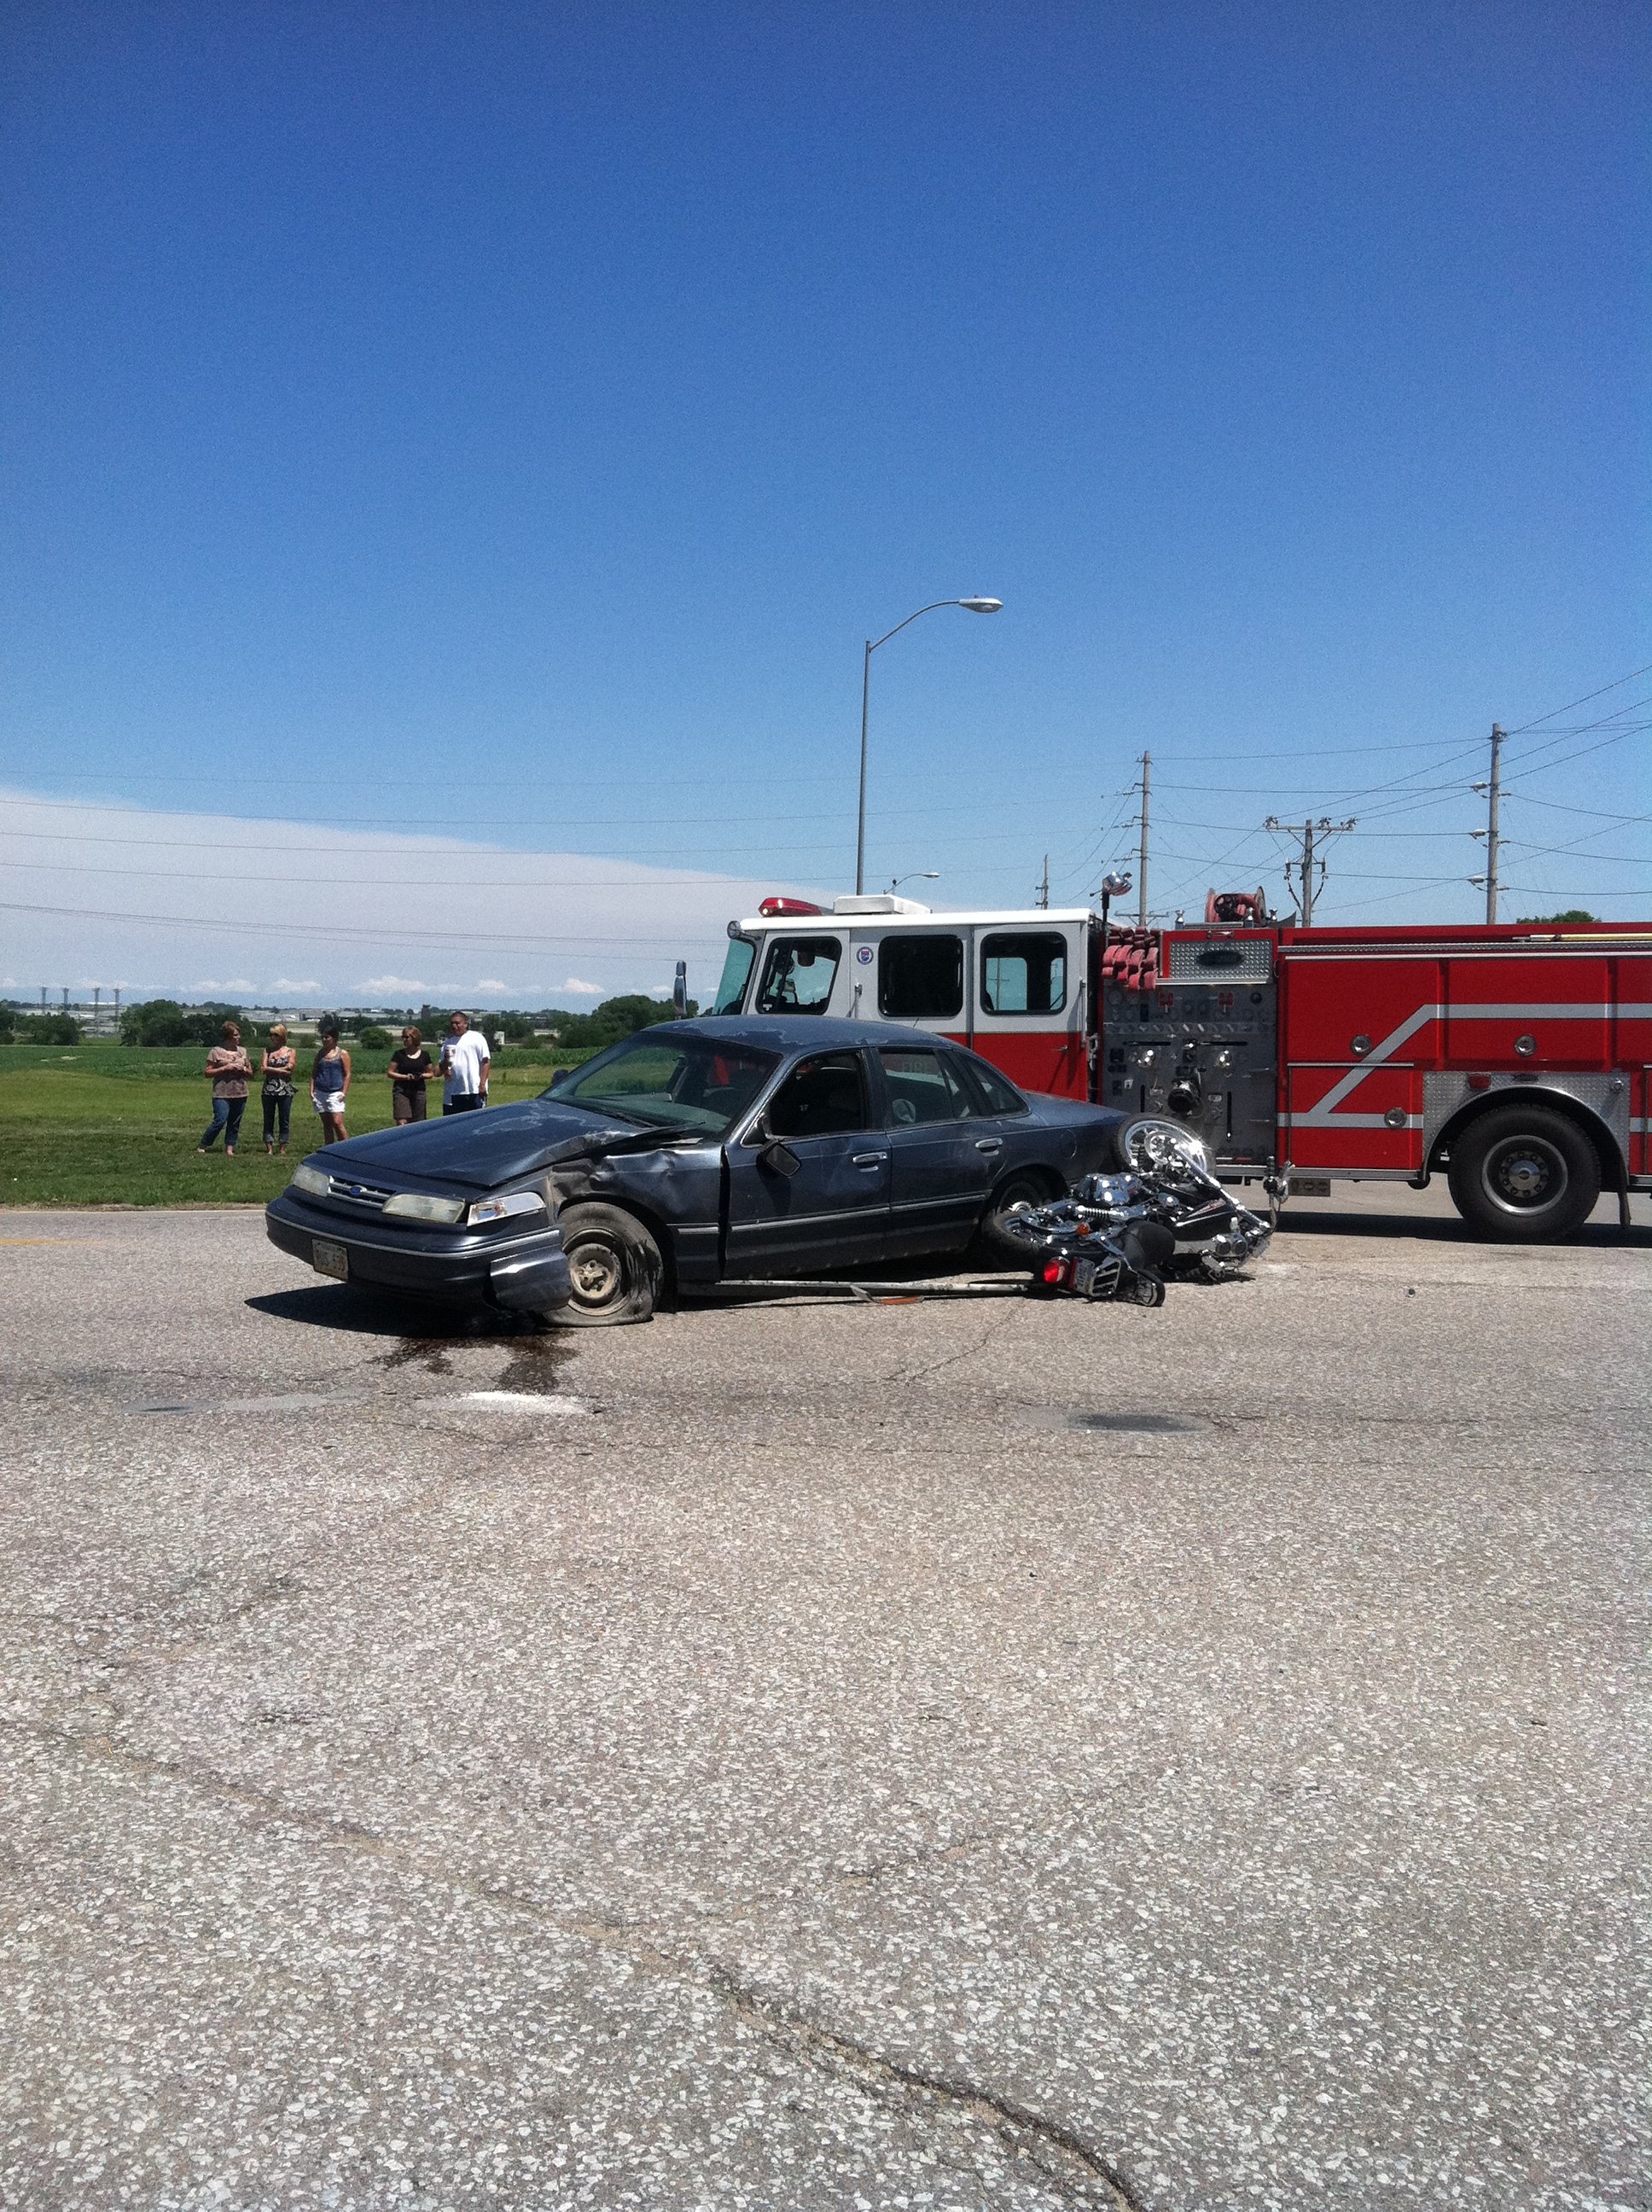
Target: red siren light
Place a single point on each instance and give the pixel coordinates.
(789, 906)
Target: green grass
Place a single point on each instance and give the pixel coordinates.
(113, 1125)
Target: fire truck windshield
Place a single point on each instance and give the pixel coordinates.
(737, 973)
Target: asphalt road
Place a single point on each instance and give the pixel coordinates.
(959, 1755)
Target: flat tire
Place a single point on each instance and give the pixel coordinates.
(615, 1266)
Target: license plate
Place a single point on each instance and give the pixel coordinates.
(1310, 1186)
(1084, 1277)
(329, 1259)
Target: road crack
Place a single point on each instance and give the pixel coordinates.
(1059, 2152)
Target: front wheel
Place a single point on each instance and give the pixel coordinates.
(1524, 1173)
(1017, 1193)
(614, 1264)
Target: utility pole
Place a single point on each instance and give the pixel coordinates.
(1493, 791)
(1141, 864)
(1044, 884)
(1309, 834)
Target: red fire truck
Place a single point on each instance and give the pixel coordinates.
(1516, 1059)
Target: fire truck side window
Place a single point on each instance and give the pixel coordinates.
(921, 977)
(1023, 974)
(799, 975)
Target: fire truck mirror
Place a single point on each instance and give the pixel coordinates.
(1359, 1046)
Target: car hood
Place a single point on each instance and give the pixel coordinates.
(482, 1151)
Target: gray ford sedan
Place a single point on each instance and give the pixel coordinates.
(694, 1153)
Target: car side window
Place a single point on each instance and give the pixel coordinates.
(825, 1096)
(921, 977)
(1025, 972)
(799, 975)
(998, 1096)
(922, 1089)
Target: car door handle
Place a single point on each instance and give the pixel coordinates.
(989, 1143)
(869, 1159)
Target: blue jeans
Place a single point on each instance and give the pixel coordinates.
(225, 1115)
(277, 1110)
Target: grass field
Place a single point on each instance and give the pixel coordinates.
(116, 1125)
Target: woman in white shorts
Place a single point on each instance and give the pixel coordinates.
(329, 1084)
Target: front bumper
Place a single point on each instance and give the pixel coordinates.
(517, 1273)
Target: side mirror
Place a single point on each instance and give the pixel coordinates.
(560, 1078)
(779, 1159)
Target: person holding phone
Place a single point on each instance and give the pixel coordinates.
(465, 1065)
(277, 1069)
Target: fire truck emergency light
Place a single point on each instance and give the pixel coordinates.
(783, 906)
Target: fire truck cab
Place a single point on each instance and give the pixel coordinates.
(1518, 1061)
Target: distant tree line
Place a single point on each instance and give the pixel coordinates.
(165, 1022)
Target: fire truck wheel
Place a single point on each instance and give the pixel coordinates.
(615, 1265)
(1014, 1195)
(1523, 1173)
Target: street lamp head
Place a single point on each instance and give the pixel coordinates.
(982, 606)
(1115, 886)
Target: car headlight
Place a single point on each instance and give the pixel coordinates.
(305, 1177)
(1153, 1143)
(508, 1202)
(413, 1206)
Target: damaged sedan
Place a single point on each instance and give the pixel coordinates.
(696, 1153)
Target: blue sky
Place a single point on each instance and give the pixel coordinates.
(506, 423)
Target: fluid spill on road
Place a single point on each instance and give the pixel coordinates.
(537, 1358)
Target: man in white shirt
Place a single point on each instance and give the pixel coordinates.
(464, 1064)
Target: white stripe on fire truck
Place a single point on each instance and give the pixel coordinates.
(1314, 1121)
(1324, 1116)
(1321, 1114)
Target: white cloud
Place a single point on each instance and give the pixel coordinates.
(102, 885)
(492, 985)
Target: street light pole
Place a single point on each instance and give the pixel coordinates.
(975, 607)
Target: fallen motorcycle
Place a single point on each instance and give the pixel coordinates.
(1123, 1237)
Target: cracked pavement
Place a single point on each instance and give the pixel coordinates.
(773, 1758)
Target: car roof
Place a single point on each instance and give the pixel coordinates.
(789, 1032)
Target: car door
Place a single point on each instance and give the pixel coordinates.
(833, 1210)
(944, 1157)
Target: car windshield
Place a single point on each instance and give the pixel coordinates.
(687, 1083)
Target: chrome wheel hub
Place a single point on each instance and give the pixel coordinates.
(1524, 1174)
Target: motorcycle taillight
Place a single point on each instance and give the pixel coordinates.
(1054, 1272)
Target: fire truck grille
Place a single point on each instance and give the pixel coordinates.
(1221, 960)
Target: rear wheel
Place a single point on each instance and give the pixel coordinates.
(1017, 1193)
(1524, 1173)
(615, 1266)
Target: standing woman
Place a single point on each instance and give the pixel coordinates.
(329, 1084)
(279, 1065)
(410, 1071)
(228, 1069)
